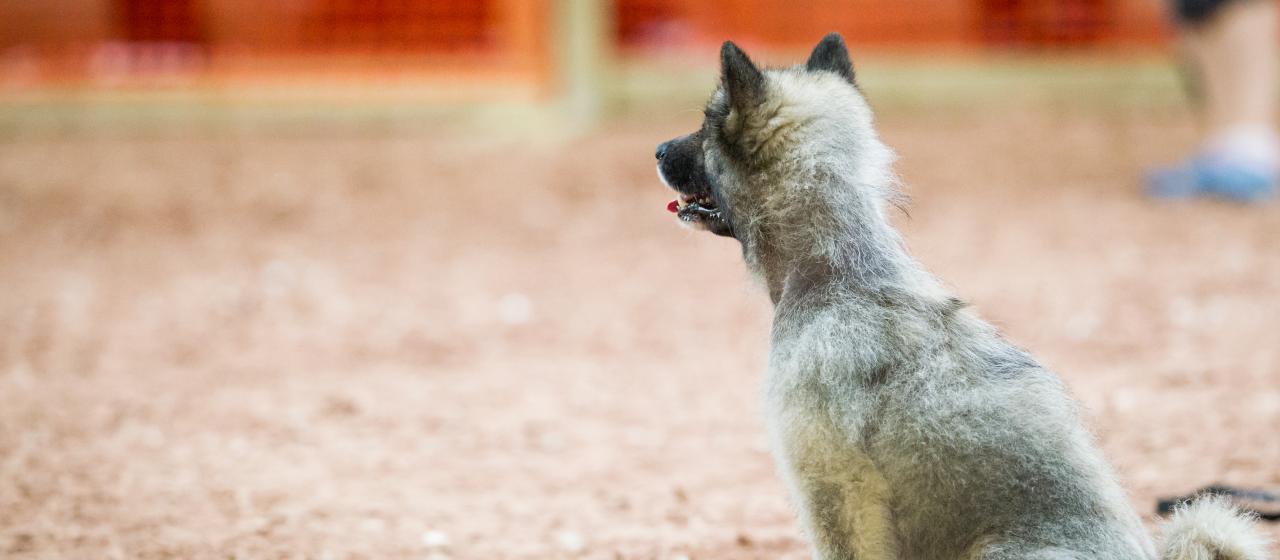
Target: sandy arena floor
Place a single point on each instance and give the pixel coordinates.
(339, 343)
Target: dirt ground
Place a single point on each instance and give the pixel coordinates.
(346, 342)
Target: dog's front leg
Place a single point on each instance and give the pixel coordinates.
(843, 507)
(819, 506)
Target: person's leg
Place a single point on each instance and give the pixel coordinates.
(1236, 55)
(1231, 47)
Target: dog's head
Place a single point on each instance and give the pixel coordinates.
(763, 130)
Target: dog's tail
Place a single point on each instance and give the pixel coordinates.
(1210, 528)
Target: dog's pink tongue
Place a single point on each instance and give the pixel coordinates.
(673, 207)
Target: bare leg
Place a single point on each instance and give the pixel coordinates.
(1232, 52)
(1235, 56)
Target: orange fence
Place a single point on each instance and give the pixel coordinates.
(140, 42)
(146, 41)
(895, 23)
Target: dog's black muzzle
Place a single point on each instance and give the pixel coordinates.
(682, 167)
(681, 163)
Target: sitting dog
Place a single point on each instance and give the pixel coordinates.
(904, 425)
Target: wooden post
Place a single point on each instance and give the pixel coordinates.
(581, 34)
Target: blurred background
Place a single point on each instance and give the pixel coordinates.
(395, 279)
(505, 49)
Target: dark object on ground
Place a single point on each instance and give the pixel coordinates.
(1245, 499)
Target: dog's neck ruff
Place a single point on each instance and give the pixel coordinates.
(840, 239)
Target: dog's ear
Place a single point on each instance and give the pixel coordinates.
(831, 55)
(743, 82)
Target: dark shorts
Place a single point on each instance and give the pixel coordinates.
(1194, 12)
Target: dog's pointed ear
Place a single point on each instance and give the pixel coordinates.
(743, 82)
(831, 55)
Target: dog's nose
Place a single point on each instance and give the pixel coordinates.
(662, 150)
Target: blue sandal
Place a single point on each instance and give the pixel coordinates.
(1213, 176)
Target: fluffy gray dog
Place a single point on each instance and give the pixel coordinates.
(904, 425)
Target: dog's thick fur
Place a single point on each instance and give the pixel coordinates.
(904, 425)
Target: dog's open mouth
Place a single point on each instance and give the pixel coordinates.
(695, 209)
(698, 211)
